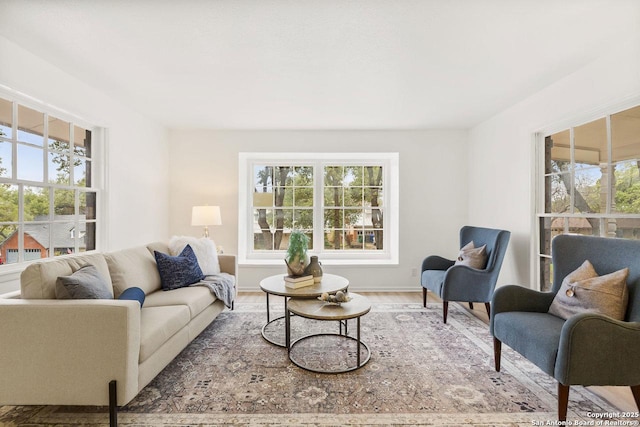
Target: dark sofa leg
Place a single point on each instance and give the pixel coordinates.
(487, 307)
(445, 310)
(563, 401)
(424, 297)
(113, 404)
(471, 305)
(635, 389)
(497, 351)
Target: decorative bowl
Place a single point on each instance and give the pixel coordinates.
(337, 299)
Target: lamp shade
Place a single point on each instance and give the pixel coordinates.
(206, 215)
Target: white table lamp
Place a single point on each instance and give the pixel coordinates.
(206, 215)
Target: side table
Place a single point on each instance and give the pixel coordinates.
(320, 310)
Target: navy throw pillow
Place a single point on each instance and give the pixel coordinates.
(178, 271)
(135, 294)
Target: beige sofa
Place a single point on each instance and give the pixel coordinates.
(67, 352)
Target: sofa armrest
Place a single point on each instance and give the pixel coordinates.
(228, 263)
(597, 350)
(518, 298)
(65, 352)
(436, 262)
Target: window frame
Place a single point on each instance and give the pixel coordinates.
(539, 142)
(97, 169)
(390, 183)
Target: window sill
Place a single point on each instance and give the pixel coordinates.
(346, 262)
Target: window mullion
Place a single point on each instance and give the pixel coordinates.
(14, 143)
(20, 222)
(45, 149)
(76, 222)
(318, 207)
(72, 139)
(572, 172)
(610, 170)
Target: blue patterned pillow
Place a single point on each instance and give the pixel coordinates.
(178, 271)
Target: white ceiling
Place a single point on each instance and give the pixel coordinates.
(319, 64)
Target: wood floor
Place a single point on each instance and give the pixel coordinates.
(389, 297)
(620, 397)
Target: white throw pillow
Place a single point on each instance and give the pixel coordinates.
(203, 247)
(473, 257)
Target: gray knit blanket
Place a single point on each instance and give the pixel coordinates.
(222, 285)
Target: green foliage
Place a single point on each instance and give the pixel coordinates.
(298, 246)
(351, 194)
(35, 204)
(627, 197)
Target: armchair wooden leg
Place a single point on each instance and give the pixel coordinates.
(471, 305)
(445, 310)
(497, 351)
(563, 401)
(424, 297)
(635, 389)
(487, 307)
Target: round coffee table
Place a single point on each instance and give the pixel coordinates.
(320, 310)
(274, 285)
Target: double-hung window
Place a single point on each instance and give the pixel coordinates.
(48, 186)
(590, 183)
(346, 203)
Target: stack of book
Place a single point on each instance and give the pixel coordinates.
(295, 282)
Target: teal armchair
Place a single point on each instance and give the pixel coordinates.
(587, 349)
(453, 282)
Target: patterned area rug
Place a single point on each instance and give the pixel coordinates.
(421, 372)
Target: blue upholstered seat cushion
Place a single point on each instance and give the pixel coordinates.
(534, 335)
(433, 280)
(178, 271)
(134, 293)
(84, 283)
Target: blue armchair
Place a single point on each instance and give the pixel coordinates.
(587, 348)
(453, 282)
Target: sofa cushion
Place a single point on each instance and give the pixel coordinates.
(204, 248)
(158, 324)
(84, 283)
(534, 335)
(158, 246)
(38, 280)
(433, 280)
(133, 267)
(197, 298)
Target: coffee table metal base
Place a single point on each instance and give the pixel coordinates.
(360, 361)
(272, 339)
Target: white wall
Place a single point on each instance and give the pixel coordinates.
(137, 179)
(433, 191)
(501, 165)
